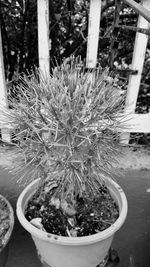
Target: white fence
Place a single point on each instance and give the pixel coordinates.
(138, 122)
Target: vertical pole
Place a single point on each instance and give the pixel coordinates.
(93, 33)
(3, 92)
(43, 35)
(137, 64)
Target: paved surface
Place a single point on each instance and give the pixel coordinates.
(133, 239)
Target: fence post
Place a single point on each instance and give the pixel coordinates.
(137, 64)
(93, 33)
(3, 91)
(43, 35)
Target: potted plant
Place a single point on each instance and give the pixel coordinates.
(65, 139)
(6, 227)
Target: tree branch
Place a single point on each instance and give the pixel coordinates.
(23, 36)
(135, 29)
(114, 41)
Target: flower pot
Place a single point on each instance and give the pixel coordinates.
(59, 251)
(4, 242)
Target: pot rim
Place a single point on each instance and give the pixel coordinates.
(11, 225)
(63, 240)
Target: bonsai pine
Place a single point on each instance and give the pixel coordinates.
(65, 132)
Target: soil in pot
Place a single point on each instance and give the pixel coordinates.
(4, 222)
(90, 216)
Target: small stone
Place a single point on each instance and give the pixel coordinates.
(37, 222)
(71, 221)
(42, 208)
(68, 208)
(73, 232)
(55, 202)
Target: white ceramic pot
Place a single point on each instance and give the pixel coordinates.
(59, 251)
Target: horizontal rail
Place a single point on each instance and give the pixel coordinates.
(137, 123)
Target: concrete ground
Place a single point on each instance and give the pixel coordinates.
(133, 239)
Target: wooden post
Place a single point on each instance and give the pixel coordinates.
(137, 64)
(93, 33)
(43, 35)
(3, 91)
